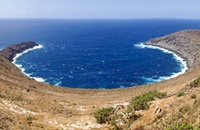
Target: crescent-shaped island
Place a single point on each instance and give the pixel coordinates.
(28, 104)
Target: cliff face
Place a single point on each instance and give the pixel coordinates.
(11, 51)
(186, 43)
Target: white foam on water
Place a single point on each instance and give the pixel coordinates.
(177, 58)
(121, 86)
(58, 83)
(39, 79)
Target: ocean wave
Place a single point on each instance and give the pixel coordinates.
(58, 83)
(184, 67)
(153, 80)
(121, 86)
(39, 79)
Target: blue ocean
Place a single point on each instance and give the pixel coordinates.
(101, 54)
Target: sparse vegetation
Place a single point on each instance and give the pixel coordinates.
(103, 115)
(64, 101)
(196, 104)
(108, 115)
(141, 102)
(185, 109)
(19, 98)
(29, 118)
(148, 124)
(181, 126)
(2, 96)
(184, 119)
(29, 101)
(180, 94)
(195, 83)
(193, 96)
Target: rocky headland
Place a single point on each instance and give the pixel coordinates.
(186, 43)
(27, 104)
(11, 51)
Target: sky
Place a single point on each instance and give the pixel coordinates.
(100, 9)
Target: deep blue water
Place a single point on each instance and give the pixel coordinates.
(94, 53)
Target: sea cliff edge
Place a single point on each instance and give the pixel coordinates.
(186, 43)
(11, 51)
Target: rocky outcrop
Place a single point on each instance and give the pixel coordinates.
(186, 43)
(11, 51)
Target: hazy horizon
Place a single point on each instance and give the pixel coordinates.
(100, 9)
(99, 19)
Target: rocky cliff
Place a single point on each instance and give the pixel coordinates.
(11, 51)
(186, 43)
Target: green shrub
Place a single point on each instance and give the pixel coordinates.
(30, 118)
(103, 115)
(148, 123)
(184, 126)
(2, 96)
(185, 109)
(196, 103)
(130, 123)
(198, 126)
(180, 94)
(179, 126)
(141, 102)
(195, 83)
(139, 115)
(193, 96)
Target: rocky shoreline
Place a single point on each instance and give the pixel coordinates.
(186, 43)
(11, 51)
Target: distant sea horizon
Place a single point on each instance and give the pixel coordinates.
(101, 54)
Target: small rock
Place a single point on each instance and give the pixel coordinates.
(158, 110)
